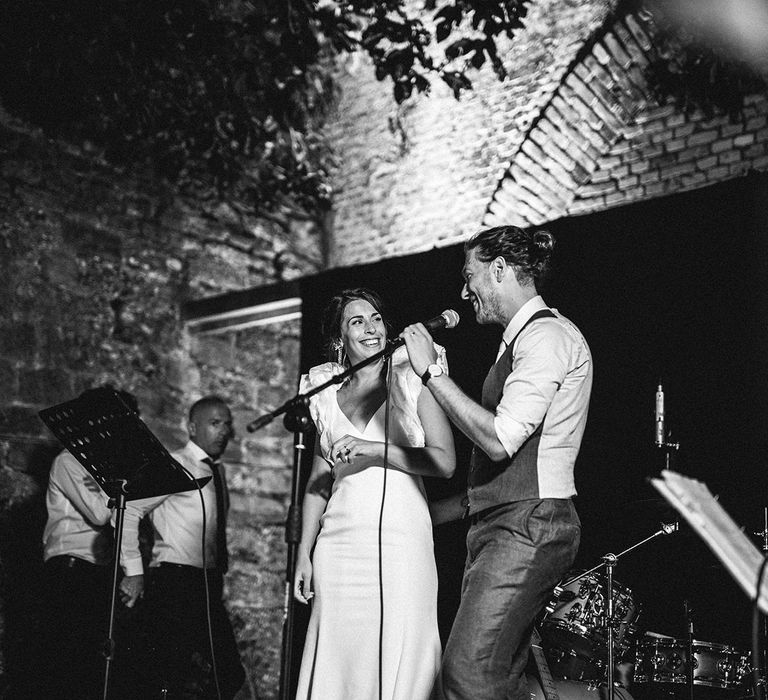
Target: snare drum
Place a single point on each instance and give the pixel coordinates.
(666, 661)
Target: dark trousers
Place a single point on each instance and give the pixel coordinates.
(516, 555)
(177, 645)
(75, 613)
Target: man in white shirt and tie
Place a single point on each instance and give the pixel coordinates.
(179, 658)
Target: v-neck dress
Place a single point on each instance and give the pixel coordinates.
(341, 652)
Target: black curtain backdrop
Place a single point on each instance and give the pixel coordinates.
(672, 289)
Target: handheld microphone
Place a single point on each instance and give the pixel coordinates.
(448, 319)
(660, 434)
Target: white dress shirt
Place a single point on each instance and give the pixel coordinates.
(78, 514)
(550, 383)
(177, 520)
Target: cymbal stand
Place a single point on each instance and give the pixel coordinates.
(689, 643)
(609, 561)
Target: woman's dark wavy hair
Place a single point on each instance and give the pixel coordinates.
(334, 312)
(529, 251)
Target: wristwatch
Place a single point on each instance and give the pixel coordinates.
(433, 370)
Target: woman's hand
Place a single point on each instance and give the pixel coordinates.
(302, 580)
(420, 346)
(345, 449)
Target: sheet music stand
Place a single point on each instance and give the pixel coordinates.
(127, 461)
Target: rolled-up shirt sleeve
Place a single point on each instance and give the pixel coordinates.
(542, 358)
(130, 554)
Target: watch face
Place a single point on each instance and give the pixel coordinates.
(433, 370)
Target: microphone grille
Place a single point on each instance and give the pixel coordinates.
(451, 318)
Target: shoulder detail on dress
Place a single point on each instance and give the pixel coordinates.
(319, 374)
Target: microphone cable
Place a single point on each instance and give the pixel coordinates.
(207, 588)
(388, 378)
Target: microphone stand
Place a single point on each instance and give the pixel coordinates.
(108, 650)
(297, 419)
(662, 433)
(609, 561)
(764, 668)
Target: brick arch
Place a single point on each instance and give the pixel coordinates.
(603, 139)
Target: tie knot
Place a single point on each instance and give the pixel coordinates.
(211, 462)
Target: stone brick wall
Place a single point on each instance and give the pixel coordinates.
(669, 152)
(604, 139)
(422, 175)
(256, 369)
(94, 266)
(574, 129)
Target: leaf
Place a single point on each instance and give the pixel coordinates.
(442, 31)
(402, 91)
(458, 48)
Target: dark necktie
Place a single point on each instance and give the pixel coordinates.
(222, 556)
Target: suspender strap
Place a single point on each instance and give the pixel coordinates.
(541, 313)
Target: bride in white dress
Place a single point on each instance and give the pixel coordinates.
(349, 576)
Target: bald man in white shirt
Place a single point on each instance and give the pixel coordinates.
(179, 659)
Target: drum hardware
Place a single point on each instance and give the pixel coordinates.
(574, 629)
(666, 660)
(605, 611)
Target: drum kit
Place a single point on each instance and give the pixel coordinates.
(592, 641)
(589, 644)
(651, 665)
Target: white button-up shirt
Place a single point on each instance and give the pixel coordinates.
(550, 383)
(78, 514)
(177, 520)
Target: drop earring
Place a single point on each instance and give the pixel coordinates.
(338, 347)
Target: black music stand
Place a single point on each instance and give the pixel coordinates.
(127, 461)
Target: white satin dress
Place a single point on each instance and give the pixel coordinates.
(341, 652)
